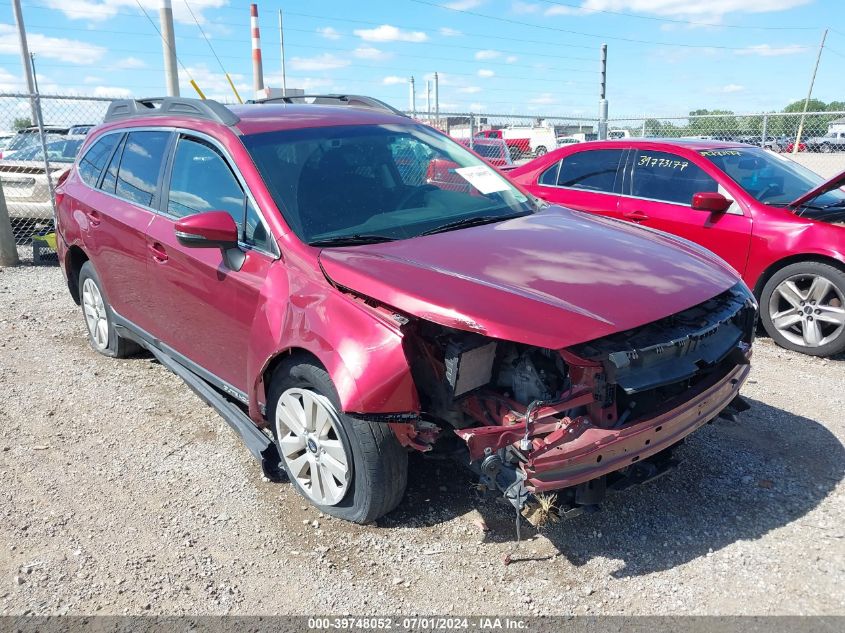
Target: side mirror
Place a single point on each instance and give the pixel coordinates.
(213, 229)
(710, 201)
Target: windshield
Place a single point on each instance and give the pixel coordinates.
(381, 181)
(770, 178)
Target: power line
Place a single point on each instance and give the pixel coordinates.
(582, 33)
(588, 11)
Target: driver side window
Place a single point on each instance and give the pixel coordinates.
(201, 180)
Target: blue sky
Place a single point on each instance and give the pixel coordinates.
(504, 56)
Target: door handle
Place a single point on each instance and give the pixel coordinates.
(158, 252)
(93, 217)
(636, 216)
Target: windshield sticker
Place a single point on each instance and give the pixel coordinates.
(482, 178)
(720, 152)
(649, 161)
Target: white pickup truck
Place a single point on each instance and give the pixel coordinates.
(830, 142)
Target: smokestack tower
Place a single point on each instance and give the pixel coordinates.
(257, 68)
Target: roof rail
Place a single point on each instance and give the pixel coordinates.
(334, 99)
(171, 106)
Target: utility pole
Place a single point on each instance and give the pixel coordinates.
(603, 94)
(809, 94)
(282, 44)
(412, 97)
(8, 248)
(428, 99)
(27, 62)
(257, 67)
(437, 98)
(168, 40)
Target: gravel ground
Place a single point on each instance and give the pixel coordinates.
(123, 493)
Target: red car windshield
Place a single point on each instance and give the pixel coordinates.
(770, 178)
(378, 182)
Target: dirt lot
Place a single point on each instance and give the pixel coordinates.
(123, 493)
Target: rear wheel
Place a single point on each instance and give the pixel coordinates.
(826, 148)
(99, 321)
(540, 151)
(347, 467)
(803, 308)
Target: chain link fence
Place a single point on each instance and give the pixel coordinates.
(822, 146)
(41, 136)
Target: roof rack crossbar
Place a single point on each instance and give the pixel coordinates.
(335, 99)
(171, 106)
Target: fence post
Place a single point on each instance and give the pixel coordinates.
(644, 127)
(471, 130)
(765, 130)
(8, 248)
(47, 172)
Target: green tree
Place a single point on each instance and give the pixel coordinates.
(21, 123)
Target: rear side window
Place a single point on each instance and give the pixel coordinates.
(92, 163)
(668, 178)
(110, 179)
(140, 164)
(591, 170)
(549, 177)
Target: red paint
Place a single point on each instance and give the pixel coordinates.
(755, 241)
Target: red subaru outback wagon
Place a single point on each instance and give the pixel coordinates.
(291, 263)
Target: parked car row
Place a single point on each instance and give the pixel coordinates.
(23, 171)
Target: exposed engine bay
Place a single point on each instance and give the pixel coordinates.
(532, 420)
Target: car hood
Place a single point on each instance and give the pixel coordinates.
(552, 279)
(827, 185)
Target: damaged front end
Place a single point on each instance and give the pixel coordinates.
(577, 421)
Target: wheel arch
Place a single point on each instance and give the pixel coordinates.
(798, 258)
(74, 260)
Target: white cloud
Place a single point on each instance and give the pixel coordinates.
(9, 82)
(393, 80)
(388, 33)
(130, 62)
(92, 79)
(470, 90)
(524, 7)
(110, 91)
(463, 5)
(487, 54)
(102, 10)
(369, 52)
(445, 31)
(329, 33)
(729, 88)
(767, 50)
(486, 73)
(713, 10)
(73, 51)
(563, 10)
(477, 107)
(326, 61)
(544, 99)
(511, 59)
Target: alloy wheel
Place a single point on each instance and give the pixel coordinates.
(96, 318)
(808, 310)
(307, 428)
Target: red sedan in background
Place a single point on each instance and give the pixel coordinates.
(780, 225)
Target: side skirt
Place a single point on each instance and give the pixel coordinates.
(259, 445)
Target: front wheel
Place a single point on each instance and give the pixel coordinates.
(803, 308)
(540, 151)
(347, 467)
(826, 148)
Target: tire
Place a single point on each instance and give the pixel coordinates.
(826, 148)
(375, 476)
(98, 317)
(802, 307)
(540, 151)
